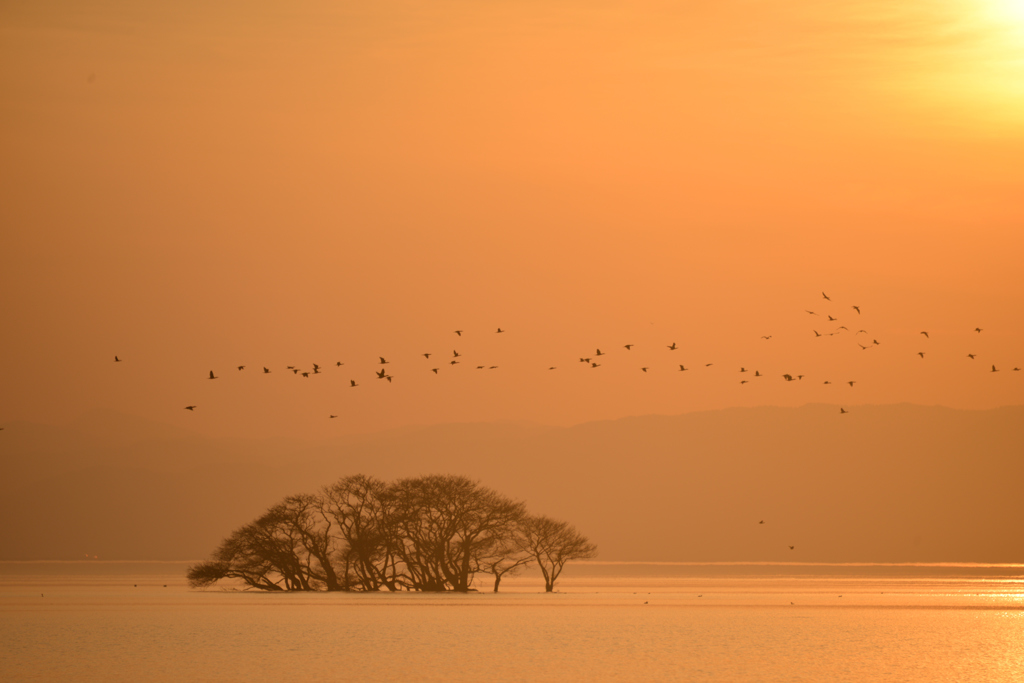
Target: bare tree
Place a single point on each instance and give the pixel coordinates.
(552, 543)
(507, 555)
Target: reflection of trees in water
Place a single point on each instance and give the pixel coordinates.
(430, 533)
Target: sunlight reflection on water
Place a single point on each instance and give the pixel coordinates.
(603, 626)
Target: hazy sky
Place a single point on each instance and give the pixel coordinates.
(198, 185)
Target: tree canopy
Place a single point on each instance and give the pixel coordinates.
(430, 533)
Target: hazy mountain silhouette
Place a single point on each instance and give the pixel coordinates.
(882, 483)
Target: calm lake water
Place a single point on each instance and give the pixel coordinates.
(118, 622)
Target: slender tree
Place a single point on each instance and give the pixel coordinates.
(552, 543)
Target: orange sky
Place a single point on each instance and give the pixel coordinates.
(194, 187)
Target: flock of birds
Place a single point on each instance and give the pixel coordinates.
(594, 360)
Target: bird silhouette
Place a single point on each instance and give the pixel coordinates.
(816, 333)
(766, 336)
(352, 383)
(552, 368)
(757, 373)
(643, 369)
(480, 367)
(332, 416)
(856, 308)
(744, 381)
(827, 382)
(492, 367)
(241, 367)
(381, 374)
(339, 364)
(628, 347)
(595, 365)
(842, 411)
(925, 335)
(825, 296)
(266, 370)
(921, 353)
(382, 361)
(453, 362)
(791, 548)
(812, 313)
(190, 408)
(1016, 370)
(875, 342)
(761, 522)
(434, 370)
(682, 368)
(743, 369)
(788, 378)
(599, 353)
(426, 355)
(862, 347)
(455, 354)
(458, 332)
(672, 347)
(977, 329)
(212, 376)
(295, 371)
(994, 368)
(852, 382)
(831, 319)
(500, 330)
(306, 375)
(971, 356)
(116, 359)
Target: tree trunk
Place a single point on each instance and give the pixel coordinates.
(497, 580)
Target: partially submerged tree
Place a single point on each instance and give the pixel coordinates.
(432, 533)
(552, 543)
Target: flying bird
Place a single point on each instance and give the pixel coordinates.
(552, 368)
(458, 332)
(925, 335)
(644, 369)
(382, 361)
(500, 330)
(628, 347)
(875, 342)
(599, 353)
(816, 333)
(994, 368)
(851, 383)
(757, 373)
(673, 347)
(862, 347)
(831, 319)
(339, 364)
(842, 411)
(266, 370)
(744, 381)
(977, 329)
(212, 376)
(455, 354)
(595, 365)
(480, 367)
(766, 336)
(682, 368)
(921, 353)
(788, 378)
(1016, 370)
(811, 312)
(295, 371)
(241, 367)
(791, 548)
(825, 296)
(305, 374)
(352, 383)
(761, 522)
(743, 369)
(434, 370)
(332, 416)
(190, 408)
(827, 382)
(856, 308)
(426, 355)
(971, 356)
(453, 362)
(381, 374)
(116, 359)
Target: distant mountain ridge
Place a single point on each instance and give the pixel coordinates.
(881, 484)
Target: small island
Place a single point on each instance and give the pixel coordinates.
(429, 533)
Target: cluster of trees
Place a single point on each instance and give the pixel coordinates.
(432, 533)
